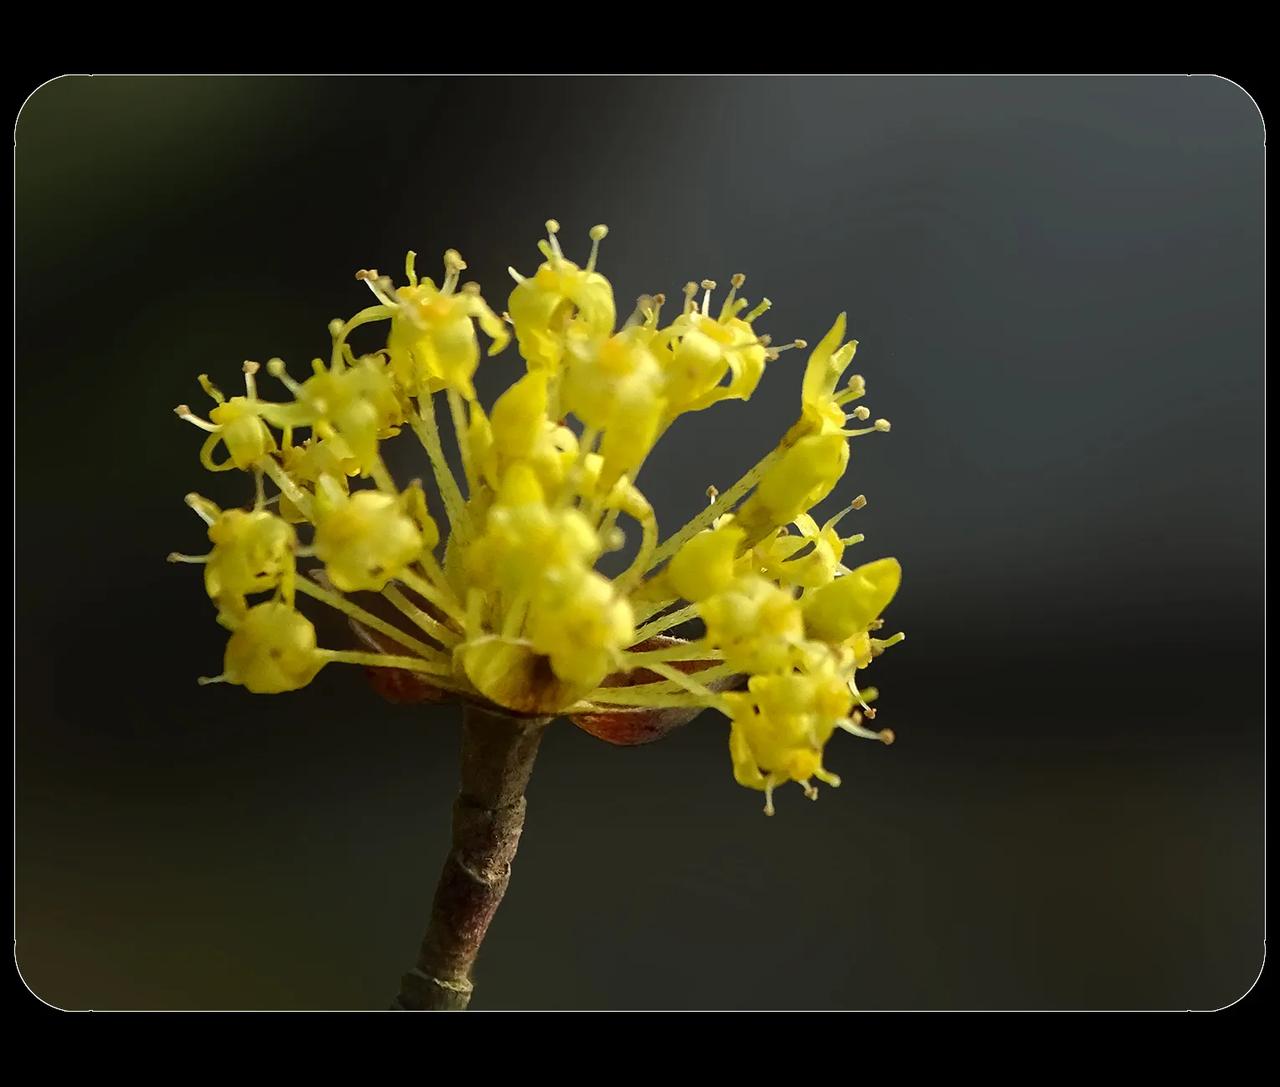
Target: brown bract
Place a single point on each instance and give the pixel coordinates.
(625, 726)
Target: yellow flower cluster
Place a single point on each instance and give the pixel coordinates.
(507, 606)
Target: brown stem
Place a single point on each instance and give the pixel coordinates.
(497, 759)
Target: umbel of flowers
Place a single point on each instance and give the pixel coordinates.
(500, 601)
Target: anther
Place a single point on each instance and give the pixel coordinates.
(859, 502)
(713, 493)
(886, 736)
(862, 412)
(882, 425)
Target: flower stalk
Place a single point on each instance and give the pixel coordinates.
(498, 753)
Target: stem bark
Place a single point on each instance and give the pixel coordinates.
(498, 753)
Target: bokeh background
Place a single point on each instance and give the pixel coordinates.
(1057, 285)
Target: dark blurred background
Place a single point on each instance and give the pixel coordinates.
(1057, 285)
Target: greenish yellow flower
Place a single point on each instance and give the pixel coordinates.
(501, 601)
(558, 296)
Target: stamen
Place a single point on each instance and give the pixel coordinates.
(840, 516)
(854, 728)
(735, 281)
(378, 284)
(275, 367)
(185, 413)
(207, 511)
(761, 306)
(174, 556)
(205, 681)
(690, 289)
(776, 351)
(598, 234)
(553, 228)
(708, 285)
(642, 312)
(712, 494)
(410, 268)
(854, 389)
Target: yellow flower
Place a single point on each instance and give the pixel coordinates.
(357, 403)
(252, 553)
(432, 344)
(506, 600)
(850, 604)
(525, 540)
(314, 458)
(801, 478)
(543, 306)
(364, 539)
(705, 565)
(754, 623)
(582, 626)
(811, 559)
(704, 349)
(272, 649)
